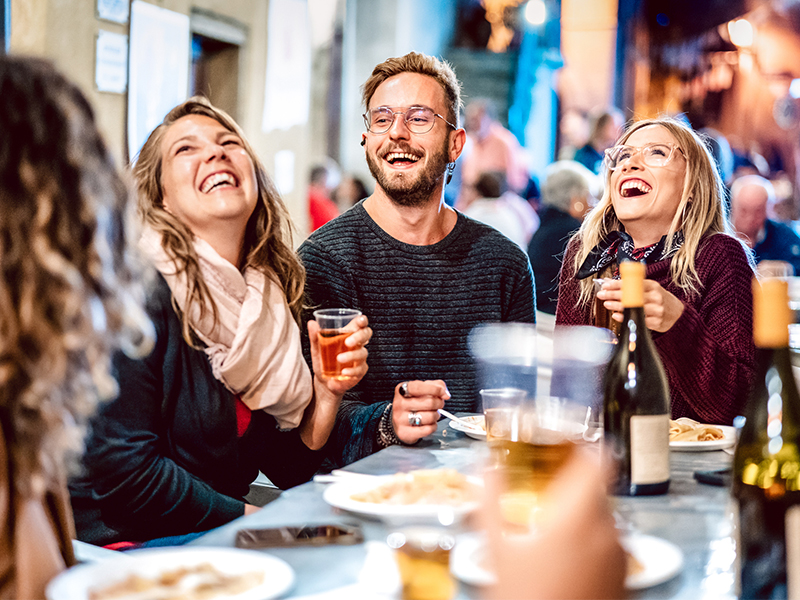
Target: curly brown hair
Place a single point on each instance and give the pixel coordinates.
(68, 282)
(268, 235)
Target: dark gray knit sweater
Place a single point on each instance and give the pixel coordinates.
(422, 302)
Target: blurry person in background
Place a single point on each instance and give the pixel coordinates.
(496, 205)
(752, 200)
(350, 191)
(606, 127)
(69, 298)
(226, 392)
(321, 208)
(663, 205)
(493, 148)
(573, 553)
(570, 190)
(573, 132)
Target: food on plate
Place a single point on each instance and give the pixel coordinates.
(200, 582)
(634, 566)
(689, 430)
(478, 422)
(429, 486)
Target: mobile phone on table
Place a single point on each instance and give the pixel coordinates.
(718, 477)
(304, 535)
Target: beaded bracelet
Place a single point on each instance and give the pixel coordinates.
(386, 435)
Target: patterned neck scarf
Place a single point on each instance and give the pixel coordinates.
(618, 246)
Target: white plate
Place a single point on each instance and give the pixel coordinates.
(662, 560)
(468, 560)
(478, 420)
(76, 583)
(339, 495)
(726, 442)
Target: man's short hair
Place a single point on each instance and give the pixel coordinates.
(413, 62)
(564, 180)
(318, 175)
(491, 184)
(746, 180)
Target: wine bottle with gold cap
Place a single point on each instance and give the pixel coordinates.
(766, 464)
(636, 398)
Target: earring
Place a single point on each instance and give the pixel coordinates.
(450, 168)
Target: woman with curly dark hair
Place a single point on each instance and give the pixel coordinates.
(226, 391)
(67, 298)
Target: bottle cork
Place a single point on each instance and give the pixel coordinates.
(632, 274)
(771, 313)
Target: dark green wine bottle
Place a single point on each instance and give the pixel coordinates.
(636, 398)
(766, 465)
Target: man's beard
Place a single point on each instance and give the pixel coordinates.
(406, 190)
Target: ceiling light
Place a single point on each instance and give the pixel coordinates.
(536, 12)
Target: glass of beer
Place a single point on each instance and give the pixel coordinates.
(602, 316)
(331, 339)
(534, 444)
(423, 559)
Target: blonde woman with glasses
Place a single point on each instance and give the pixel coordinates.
(663, 205)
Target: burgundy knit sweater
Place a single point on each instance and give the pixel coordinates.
(709, 352)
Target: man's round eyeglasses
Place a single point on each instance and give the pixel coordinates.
(653, 155)
(418, 119)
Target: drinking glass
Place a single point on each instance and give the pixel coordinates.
(536, 442)
(506, 356)
(423, 559)
(602, 316)
(331, 339)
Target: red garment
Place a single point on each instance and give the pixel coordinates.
(709, 352)
(243, 417)
(321, 209)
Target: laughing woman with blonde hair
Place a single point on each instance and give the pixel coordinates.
(226, 392)
(663, 204)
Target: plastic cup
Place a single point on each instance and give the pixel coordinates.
(331, 339)
(423, 559)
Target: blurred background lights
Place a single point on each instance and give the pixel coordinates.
(536, 12)
(794, 88)
(741, 32)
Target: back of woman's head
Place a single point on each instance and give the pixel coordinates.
(68, 291)
(267, 243)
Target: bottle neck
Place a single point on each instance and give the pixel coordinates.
(771, 363)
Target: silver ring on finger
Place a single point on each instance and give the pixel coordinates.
(414, 419)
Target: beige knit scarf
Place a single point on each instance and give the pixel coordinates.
(254, 345)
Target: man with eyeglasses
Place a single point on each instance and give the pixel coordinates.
(424, 274)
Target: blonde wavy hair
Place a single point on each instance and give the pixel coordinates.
(268, 235)
(701, 211)
(69, 291)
